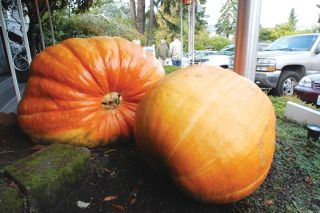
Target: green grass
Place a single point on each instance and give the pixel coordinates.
(293, 183)
(170, 69)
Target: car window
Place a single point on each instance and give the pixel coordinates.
(293, 43)
(229, 50)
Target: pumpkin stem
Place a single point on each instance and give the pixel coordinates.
(111, 100)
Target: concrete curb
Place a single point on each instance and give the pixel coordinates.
(46, 176)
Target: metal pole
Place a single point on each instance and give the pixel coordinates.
(193, 27)
(189, 35)
(40, 25)
(50, 21)
(6, 42)
(247, 36)
(181, 29)
(24, 31)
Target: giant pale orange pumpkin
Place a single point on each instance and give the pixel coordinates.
(210, 130)
(86, 91)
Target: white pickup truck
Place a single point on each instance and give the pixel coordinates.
(281, 65)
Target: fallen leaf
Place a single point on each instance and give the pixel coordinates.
(6, 152)
(37, 147)
(119, 207)
(13, 185)
(133, 201)
(110, 151)
(308, 180)
(268, 202)
(82, 204)
(111, 197)
(107, 170)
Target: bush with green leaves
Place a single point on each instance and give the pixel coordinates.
(92, 23)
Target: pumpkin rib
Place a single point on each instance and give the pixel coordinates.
(56, 79)
(236, 193)
(194, 119)
(203, 167)
(107, 66)
(83, 64)
(39, 81)
(218, 148)
(37, 109)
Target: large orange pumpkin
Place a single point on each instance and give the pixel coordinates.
(210, 130)
(86, 91)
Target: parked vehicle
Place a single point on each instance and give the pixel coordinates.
(281, 65)
(222, 57)
(202, 56)
(308, 89)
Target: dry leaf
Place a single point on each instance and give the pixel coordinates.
(268, 202)
(6, 152)
(119, 207)
(107, 170)
(111, 197)
(133, 201)
(82, 204)
(37, 147)
(308, 180)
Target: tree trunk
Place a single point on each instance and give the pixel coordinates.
(141, 16)
(32, 31)
(133, 10)
(150, 27)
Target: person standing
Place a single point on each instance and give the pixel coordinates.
(162, 52)
(175, 51)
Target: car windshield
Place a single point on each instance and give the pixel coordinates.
(226, 51)
(293, 43)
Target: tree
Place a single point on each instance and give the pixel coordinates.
(167, 20)
(218, 42)
(293, 19)
(226, 24)
(265, 34)
(133, 13)
(281, 30)
(141, 20)
(151, 20)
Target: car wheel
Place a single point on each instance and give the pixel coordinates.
(287, 81)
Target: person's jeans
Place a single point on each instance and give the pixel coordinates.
(176, 63)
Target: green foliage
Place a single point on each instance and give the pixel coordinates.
(226, 24)
(265, 34)
(282, 30)
(293, 20)
(170, 69)
(168, 23)
(107, 20)
(202, 40)
(218, 42)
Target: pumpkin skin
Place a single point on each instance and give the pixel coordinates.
(210, 130)
(86, 91)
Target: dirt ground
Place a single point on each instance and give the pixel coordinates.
(120, 181)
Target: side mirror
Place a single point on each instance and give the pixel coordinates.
(317, 50)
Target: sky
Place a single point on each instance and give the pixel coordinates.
(274, 12)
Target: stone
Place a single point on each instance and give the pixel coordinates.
(47, 176)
